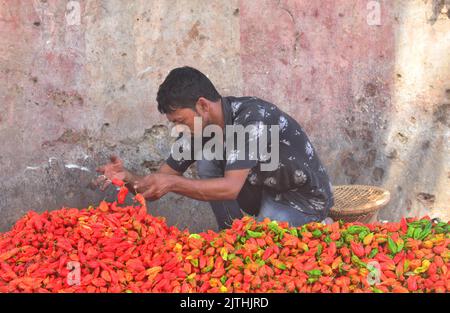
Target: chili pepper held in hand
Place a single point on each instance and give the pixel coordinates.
(121, 196)
(117, 182)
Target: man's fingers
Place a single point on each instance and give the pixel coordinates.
(100, 169)
(105, 185)
(96, 182)
(93, 184)
(148, 194)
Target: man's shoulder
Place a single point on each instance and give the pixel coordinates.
(245, 108)
(247, 100)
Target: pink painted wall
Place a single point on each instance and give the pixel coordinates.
(71, 94)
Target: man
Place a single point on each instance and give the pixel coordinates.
(296, 190)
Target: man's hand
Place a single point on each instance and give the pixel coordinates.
(110, 171)
(154, 186)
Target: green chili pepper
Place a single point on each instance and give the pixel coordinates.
(280, 265)
(423, 268)
(257, 255)
(410, 232)
(426, 231)
(392, 245)
(231, 256)
(405, 265)
(224, 254)
(363, 234)
(273, 223)
(327, 239)
(339, 243)
(194, 262)
(417, 233)
(247, 260)
(314, 273)
(207, 269)
(358, 262)
(317, 233)
(294, 232)
(400, 246)
(373, 253)
(416, 223)
(424, 234)
(248, 226)
(223, 279)
(254, 234)
(349, 238)
(439, 230)
(273, 226)
(312, 280)
(196, 236)
(319, 250)
(376, 290)
(355, 229)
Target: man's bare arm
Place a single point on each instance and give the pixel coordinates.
(132, 179)
(166, 169)
(224, 188)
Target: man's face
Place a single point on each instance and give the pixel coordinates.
(185, 117)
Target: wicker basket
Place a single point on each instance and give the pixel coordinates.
(358, 203)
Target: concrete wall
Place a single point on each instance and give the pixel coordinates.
(78, 81)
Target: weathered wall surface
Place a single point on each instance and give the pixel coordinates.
(374, 98)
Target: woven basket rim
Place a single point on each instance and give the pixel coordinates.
(369, 207)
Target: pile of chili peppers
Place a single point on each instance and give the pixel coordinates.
(114, 248)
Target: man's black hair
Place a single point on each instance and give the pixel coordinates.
(182, 88)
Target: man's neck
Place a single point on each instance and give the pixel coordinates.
(217, 116)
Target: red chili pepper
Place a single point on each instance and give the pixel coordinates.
(123, 249)
(332, 249)
(121, 196)
(118, 182)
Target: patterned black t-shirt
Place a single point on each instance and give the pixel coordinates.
(299, 173)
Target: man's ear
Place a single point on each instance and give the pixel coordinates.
(202, 106)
